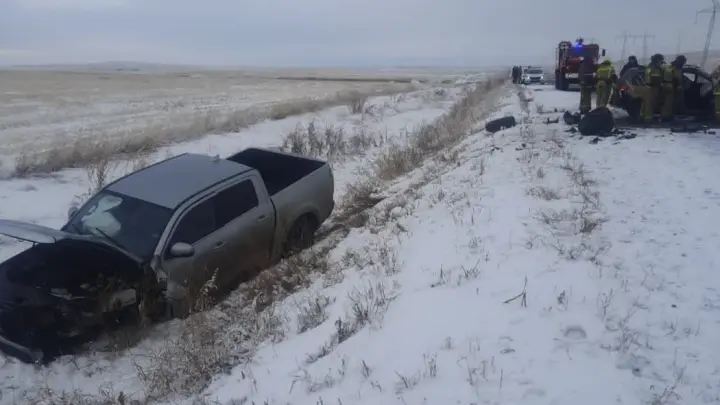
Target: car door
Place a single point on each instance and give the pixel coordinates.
(198, 227)
(247, 225)
(692, 89)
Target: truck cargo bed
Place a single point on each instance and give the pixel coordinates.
(278, 170)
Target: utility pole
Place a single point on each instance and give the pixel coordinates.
(645, 53)
(625, 36)
(711, 28)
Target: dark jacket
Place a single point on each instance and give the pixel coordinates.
(628, 66)
(585, 72)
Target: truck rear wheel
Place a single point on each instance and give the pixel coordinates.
(301, 235)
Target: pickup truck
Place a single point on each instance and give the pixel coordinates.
(144, 242)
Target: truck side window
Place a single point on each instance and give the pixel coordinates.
(198, 223)
(235, 201)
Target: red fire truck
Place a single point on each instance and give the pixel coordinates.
(568, 57)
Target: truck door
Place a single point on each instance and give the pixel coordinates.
(247, 224)
(198, 227)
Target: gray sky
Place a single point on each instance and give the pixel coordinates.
(333, 32)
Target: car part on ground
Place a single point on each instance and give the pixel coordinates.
(599, 121)
(145, 245)
(500, 124)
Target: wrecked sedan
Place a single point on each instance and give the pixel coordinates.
(698, 85)
(144, 244)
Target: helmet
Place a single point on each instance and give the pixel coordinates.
(607, 61)
(657, 58)
(632, 58)
(681, 59)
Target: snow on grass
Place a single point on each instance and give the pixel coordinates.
(150, 369)
(525, 267)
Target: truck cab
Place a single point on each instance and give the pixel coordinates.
(569, 56)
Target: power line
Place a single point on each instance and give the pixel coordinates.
(711, 27)
(625, 36)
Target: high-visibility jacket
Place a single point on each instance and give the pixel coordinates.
(605, 73)
(653, 75)
(668, 75)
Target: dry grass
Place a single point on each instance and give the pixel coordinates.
(429, 139)
(217, 337)
(88, 150)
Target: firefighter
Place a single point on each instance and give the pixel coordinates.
(587, 80)
(679, 83)
(604, 80)
(672, 88)
(651, 91)
(631, 63)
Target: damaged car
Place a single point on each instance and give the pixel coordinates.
(142, 245)
(698, 85)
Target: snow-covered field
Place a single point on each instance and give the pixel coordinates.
(69, 113)
(526, 267)
(386, 121)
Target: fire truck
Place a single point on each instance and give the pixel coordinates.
(568, 57)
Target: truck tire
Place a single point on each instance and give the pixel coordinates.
(557, 81)
(179, 309)
(301, 235)
(564, 84)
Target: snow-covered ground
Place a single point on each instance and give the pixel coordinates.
(533, 267)
(526, 267)
(386, 121)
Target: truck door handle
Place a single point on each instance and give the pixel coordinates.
(261, 218)
(218, 245)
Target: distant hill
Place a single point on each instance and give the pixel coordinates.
(113, 66)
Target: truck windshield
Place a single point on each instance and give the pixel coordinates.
(133, 224)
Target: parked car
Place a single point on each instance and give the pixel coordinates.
(699, 92)
(533, 75)
(145, 241)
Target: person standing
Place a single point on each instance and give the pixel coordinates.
(679, 84)
(652, 89)
(515, 74)
(631, 63)
(605, 77)
(587, 81)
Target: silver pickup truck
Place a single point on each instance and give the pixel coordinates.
(145, 241)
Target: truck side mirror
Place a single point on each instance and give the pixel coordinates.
(603, 53)
(182, 249)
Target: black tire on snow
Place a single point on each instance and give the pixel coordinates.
(500, 124)
(599, 121)
(300, 237)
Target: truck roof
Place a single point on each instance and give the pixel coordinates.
(172, 181)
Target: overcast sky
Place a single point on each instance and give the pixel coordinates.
(334, 32)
